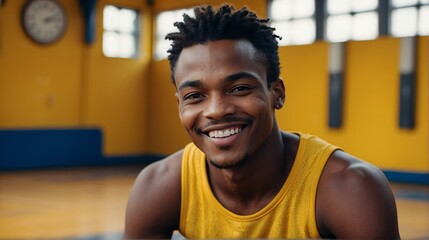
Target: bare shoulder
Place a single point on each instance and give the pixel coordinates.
(354, 200)
(153, 209)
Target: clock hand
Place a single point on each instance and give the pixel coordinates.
(50, 18)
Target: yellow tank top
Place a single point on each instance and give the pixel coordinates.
(291, 214)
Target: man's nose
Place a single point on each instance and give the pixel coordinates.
(218, 106)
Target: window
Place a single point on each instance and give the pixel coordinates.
(409, 18)
(293, 20)
(164, 25)
(121, 32)
(351, 20)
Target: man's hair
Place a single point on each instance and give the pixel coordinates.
(226, 23)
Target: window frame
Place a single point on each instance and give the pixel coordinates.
(391, 9)
(352, 13)
(159, 36)
(292, 19)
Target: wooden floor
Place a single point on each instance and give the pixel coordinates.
(90, 204)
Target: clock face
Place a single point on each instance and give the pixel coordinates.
(44, 21)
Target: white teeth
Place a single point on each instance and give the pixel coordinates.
(225, 133)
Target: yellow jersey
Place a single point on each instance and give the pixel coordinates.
(291, 214)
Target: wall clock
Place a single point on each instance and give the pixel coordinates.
(44, 21)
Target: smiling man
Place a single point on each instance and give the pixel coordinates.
(242, 177)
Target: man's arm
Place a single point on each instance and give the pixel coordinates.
(354, 200)
(153, 209)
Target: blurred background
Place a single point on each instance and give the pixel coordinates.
(86, 84)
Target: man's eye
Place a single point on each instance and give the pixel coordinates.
(193, 96)
(241, 88)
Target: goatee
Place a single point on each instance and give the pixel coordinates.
(237, 164)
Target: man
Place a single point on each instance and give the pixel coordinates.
(242, 177)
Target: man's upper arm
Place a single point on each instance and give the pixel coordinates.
(355, 201)
(153, 209)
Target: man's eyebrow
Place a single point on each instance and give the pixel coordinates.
(190, 83)
(239, 75)
(230, 78)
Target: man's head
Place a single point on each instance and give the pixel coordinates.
(225, 103)
(211, 24)
(226, 70)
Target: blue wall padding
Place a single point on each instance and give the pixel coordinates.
(41, 148)
(407, 177)
(335, 100)
(59, 148)
(407, 101)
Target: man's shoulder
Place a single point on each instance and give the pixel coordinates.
(154, 203)
(343, 166)
(344, 171)
(166, 166)
(164, 171)
(352, 193)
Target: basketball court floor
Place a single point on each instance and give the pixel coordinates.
(89, 204)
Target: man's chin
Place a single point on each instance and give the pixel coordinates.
(220, 164)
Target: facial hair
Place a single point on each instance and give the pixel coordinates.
(238, 164)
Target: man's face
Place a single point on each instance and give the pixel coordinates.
(224, 100)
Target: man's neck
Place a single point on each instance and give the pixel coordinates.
(250, 187)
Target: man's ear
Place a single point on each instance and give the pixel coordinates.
(279, 93)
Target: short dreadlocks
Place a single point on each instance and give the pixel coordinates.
(226, 23)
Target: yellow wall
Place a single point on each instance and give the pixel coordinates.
(71, 84)
(117, 88)
(371, 101)
(39, 85)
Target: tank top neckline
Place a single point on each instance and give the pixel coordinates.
(273, 203)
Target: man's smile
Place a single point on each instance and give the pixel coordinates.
(224, 133)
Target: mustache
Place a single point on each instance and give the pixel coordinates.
(224, 120)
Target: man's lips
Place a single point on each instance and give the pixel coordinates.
(225, 132)
(225, 136)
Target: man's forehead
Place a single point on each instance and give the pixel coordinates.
(219, 58)
(216, 52)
